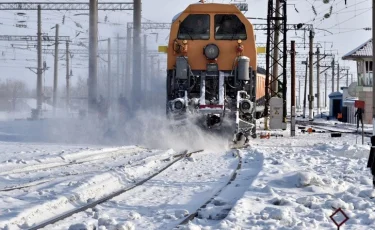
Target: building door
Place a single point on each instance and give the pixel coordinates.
(336, 107)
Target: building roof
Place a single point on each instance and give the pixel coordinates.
(362, 51)
(335, 94)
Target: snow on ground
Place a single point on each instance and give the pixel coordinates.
(284, 183)
(303, 180)
(36, 184)
(165, 200)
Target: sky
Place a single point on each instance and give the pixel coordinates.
(346, 23)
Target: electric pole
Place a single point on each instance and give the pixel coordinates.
(67, 77)
(325, 90)
(311, 64)
(56, 68)
(128, 61)
(109, 71)
(118, 87)
(333, 74)
(158, 74)
(305, 93)
(137, 55)
(318, 80)
(293, 91)
(39, 86)
(275, 70)
(93, 51)
(299, 94)
(373, 67)
(338, 77)
(144, 77)
(347, 78)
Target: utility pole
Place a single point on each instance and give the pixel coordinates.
(123, 84)
(137, 56)
(144, 77)
(118, 87)
(318, 80)
(285, 57)
(67, 77)
(293, 91)
(347, 78)
(373, 67)
(338, 77)
(305, 93)
(275, 70)
(311, 89)
(158, 74)
(39, 70)
(299, 94)
(128, 60)
(325, 90)
(333, 74)
(56, 68)
(109, 71)
(93, 51)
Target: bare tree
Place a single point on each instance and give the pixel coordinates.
(11, 90)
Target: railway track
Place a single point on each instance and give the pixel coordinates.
(53, 220)
(211, 199)
(332, 128)
(46, 179)
(78, 161)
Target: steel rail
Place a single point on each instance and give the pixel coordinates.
(112, 195)
(232, 178)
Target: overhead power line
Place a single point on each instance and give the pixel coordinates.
(65, 5)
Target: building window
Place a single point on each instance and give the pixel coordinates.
(368, 66)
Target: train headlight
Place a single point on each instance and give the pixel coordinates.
(211, 51)
(178, 105)
(246, 106)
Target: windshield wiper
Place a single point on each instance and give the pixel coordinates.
(187, 31)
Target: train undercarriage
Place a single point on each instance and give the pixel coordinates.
(216, 100)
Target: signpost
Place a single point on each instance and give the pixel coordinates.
(346, 218)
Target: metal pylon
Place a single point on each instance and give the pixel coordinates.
(276, 75)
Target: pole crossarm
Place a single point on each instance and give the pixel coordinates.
(31, 38)
(151, 25)
(84, 51)
(298, 44)
(80, 51)
(65, 5)
(300, 26)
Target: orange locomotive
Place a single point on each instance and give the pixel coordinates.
(212, 69)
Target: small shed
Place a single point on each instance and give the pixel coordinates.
(349, 110)
(335, 104)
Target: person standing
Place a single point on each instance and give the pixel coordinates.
(359, 115)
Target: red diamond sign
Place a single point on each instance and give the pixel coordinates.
(341, 221)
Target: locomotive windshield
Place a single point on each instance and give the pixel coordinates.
(195, 27)
(229, 27)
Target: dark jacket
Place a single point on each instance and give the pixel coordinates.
(359, 113)
(371, 159)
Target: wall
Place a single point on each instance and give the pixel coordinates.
(367, 97)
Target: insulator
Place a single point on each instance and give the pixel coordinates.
(314, 10)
